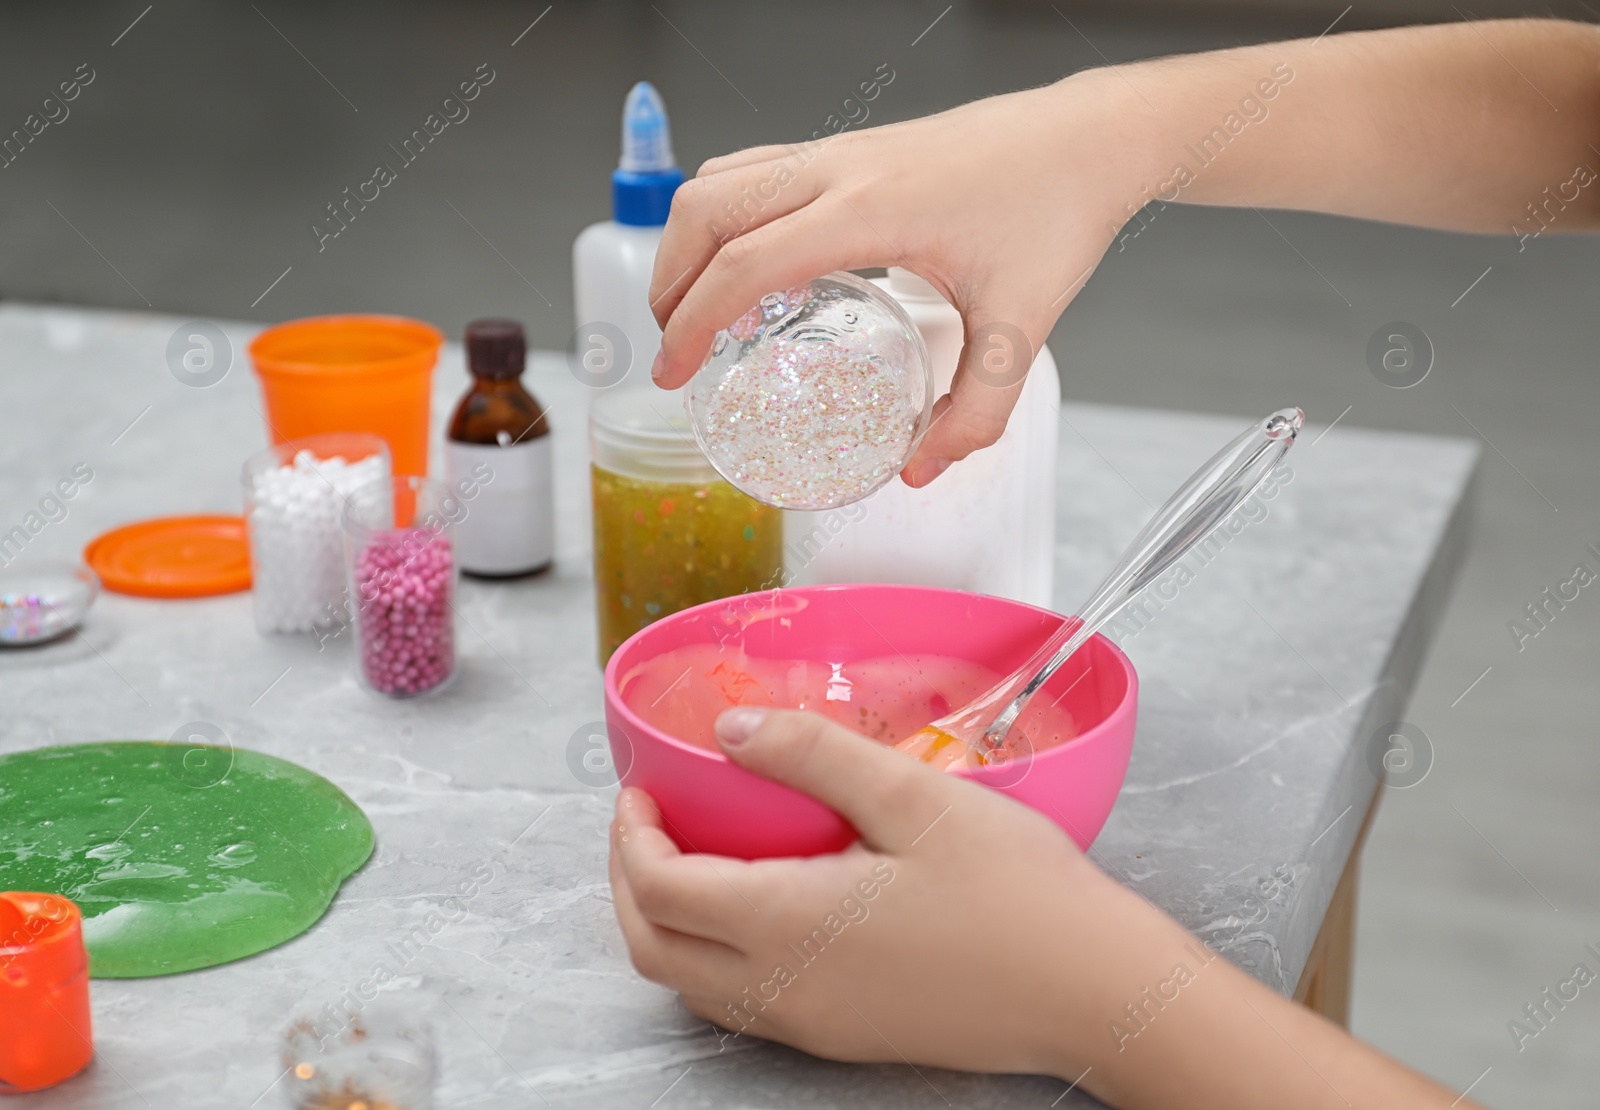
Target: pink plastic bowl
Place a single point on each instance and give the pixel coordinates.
(713, 806)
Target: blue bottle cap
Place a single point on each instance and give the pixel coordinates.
(645, 179)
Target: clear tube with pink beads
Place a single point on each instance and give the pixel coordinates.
(402, 572)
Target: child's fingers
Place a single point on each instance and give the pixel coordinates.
(749, 156)
(824, 235)
(994, 365)
(710, 211)
(673, 959)
(696, 895)
(889, 798)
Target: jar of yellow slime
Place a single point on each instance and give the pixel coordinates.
(668, 532)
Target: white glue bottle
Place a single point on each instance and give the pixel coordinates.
(988, 524)
(617, 335)
(498, 454)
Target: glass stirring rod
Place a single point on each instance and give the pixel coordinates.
(976, 734)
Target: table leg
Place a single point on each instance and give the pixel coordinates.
(1325, 984)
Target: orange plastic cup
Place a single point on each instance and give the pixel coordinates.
(44, 992)
(350, 374)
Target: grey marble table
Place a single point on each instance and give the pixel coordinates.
(1263, 679)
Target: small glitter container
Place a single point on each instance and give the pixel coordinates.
(816, 397)
(42, 602)
(378, 1056)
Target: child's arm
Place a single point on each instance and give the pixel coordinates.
(1007, 204)
(966, 931)
(1485, 127)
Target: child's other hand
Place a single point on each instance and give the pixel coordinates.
(956, 197)
(963, 930)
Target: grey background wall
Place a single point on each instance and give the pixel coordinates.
(214, 135)
(188, 176)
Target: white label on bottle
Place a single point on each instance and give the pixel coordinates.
(508, 495)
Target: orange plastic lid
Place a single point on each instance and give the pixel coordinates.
(45, 933)
(175, 556)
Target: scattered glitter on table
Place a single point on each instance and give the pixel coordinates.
(816, 397)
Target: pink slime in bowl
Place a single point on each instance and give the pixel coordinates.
(711, 805)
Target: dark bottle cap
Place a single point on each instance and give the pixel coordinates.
(496, 349)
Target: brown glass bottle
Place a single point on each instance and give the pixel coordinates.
(499, 452)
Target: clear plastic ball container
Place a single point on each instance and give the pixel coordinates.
(294, 497)
(401, 564)
(816, 397)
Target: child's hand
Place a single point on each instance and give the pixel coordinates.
(1006, 205)
(966, 931)
(963, 930)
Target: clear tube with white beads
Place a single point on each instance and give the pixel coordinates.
(295, 495)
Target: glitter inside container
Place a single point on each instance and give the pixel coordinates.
(380, 1056)
(43, 602)
(814, 398)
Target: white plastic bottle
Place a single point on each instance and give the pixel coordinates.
(612, 261)
(987, 524)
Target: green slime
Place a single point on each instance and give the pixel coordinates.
(180, 856)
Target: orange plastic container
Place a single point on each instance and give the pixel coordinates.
(350, 374)
(44, 992)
